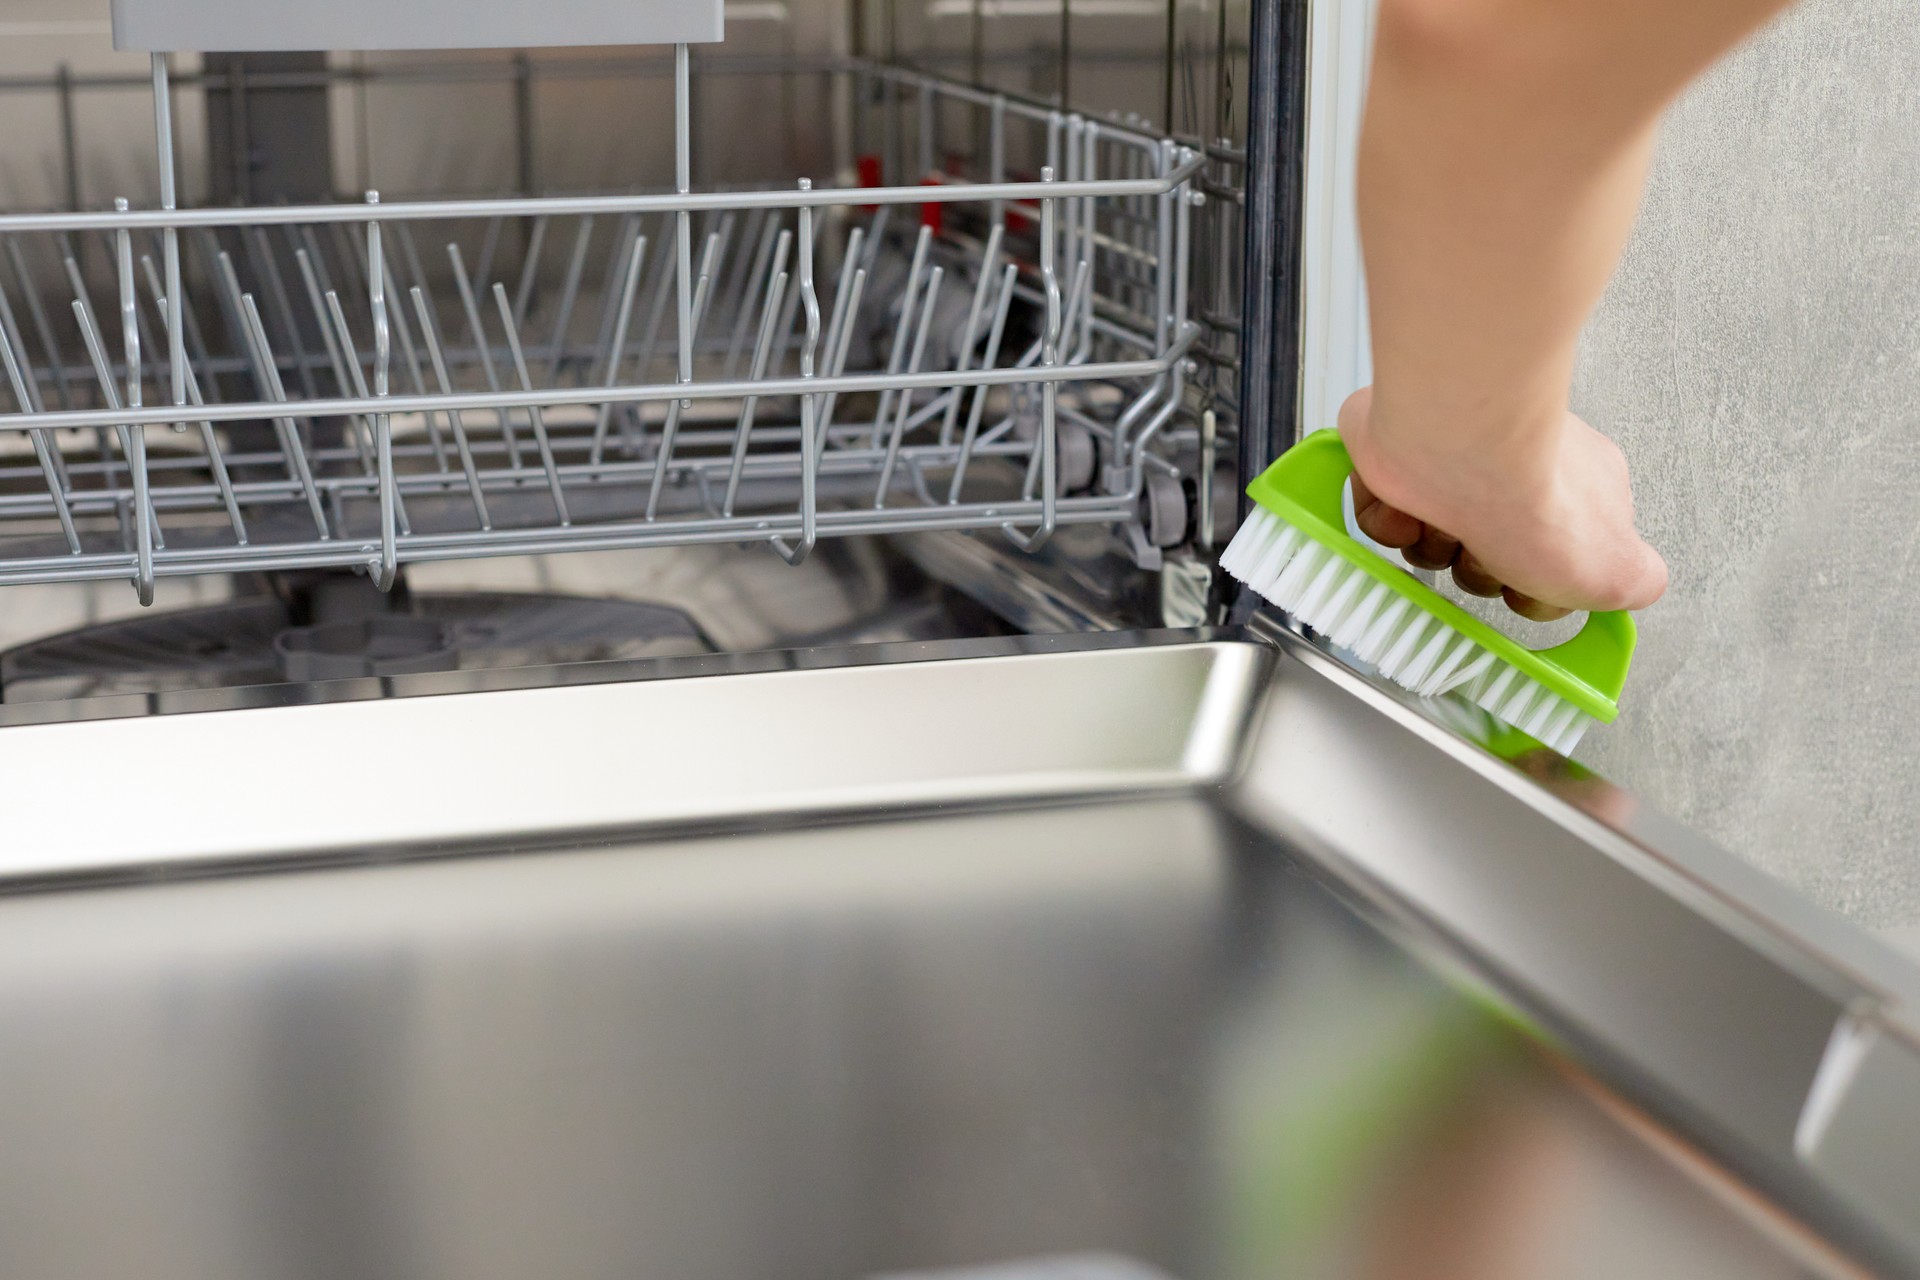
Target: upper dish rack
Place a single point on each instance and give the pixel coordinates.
(354, 384)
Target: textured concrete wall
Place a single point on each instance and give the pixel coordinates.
(1759, 359)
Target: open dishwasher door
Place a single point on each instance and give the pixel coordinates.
(1182, 955)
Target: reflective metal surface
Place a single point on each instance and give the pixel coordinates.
(1199, 955)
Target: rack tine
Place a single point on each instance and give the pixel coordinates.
(783, 248)
(282, 303)
(616, 346)
(489, 246)
(305, 238)
(411, 253)
(876, 236)
(1080, 299)
(682, 239)
(76, 279)
(110, 395)
(656, 306)
(415, 376)
(472, 310)
(849, 263)
(837, 347)
(42, 447)
(569, 293)
(112, 239)
(671, 426)
(42, 327)
(745, 274)
(195, 340)
(809, 436)
(410, 355)
(267, 374)
(901, 327)
(216, 459)
(723, 230)
(431, 335)
(743, 428)
(77, 282)
(147, 532)
(906, 397)
(30, 380)
(981, 283)
(1042, 463)
(623, 235)
(997, 156)
(745, 277)
(771, 233)
(317, 295)
(710, 257)
(1089, 172)
(391, 511)
(1008, 279)
(533, 410)
(369, 463)
(529, 266)
(354, 288)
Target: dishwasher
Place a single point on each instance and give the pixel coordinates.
(680, 720)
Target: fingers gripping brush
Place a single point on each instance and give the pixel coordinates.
(1294, 550)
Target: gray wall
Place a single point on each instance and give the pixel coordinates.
(1758, 358)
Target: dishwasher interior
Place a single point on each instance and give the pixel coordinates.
(804, 298)
(638, 633)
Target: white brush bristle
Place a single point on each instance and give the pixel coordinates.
(1384, 629)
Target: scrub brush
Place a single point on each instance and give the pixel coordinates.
(1294, 549)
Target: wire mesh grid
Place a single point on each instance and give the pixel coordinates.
(368, 385)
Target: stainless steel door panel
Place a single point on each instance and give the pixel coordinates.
(1126, 1027)
(784, 1055)
(1206, 955)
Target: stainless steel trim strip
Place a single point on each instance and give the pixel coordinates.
(537, 762)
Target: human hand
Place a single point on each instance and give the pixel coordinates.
(1550, 532)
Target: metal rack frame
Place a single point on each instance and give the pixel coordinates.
(384, 476)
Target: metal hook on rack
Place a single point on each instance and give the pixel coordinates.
(367, 447)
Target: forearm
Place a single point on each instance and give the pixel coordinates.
(1502, 160)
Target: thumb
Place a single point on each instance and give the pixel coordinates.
(1638, 580)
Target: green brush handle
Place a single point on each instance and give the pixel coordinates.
(1306, 487)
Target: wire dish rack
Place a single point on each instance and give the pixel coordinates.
(367, 385)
